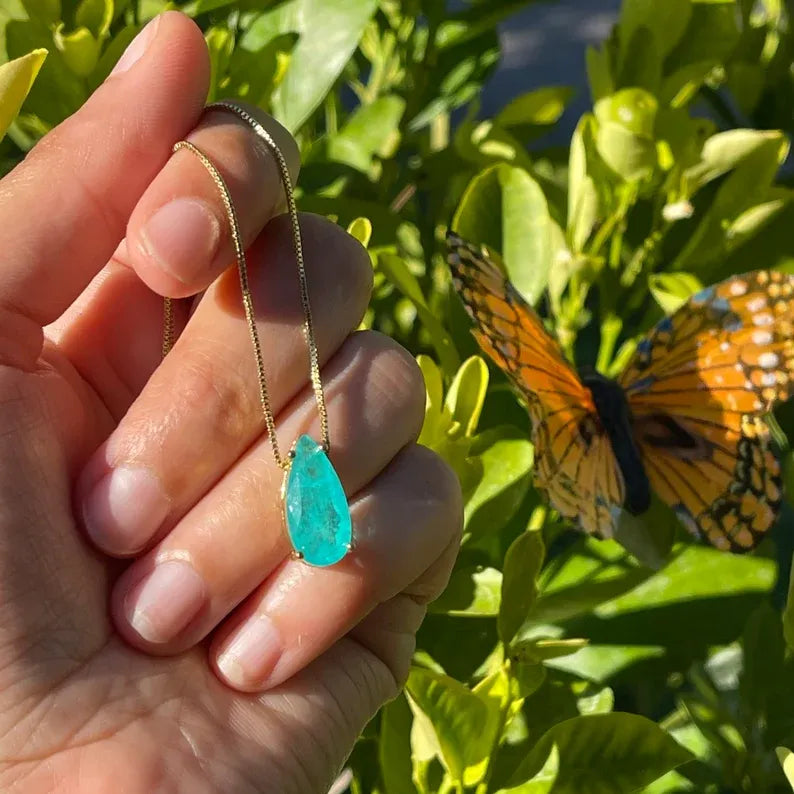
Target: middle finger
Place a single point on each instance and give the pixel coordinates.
(200, 410)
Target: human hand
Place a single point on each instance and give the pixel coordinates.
(167, 464)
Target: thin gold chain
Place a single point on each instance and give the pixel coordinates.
(242, 267)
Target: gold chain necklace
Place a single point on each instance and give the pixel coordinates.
(316, 513)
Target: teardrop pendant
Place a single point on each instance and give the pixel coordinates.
(315, 506)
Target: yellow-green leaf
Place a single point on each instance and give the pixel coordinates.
(466, 395)
(786, 758)
(456, 716)
(361, 229)
(16, 78)
(523, 562)
(80, 49)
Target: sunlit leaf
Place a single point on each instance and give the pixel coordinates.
(672, 290)
(327, 37)
(505, 208)
(466, 394)
(457, 716)
(624, 135)
(786, 758)
(394, 747)
(522, 565)
(609, 753)
(16, 78)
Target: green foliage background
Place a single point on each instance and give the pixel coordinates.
(553, 662)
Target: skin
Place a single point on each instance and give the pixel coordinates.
(240, 669)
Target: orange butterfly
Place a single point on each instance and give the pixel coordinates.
(683, 420)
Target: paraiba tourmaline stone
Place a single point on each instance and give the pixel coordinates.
(318, 518)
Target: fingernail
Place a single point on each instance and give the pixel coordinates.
(137, 47)
(251, 654)
(181, 235)
(161, 606)
(124, 509)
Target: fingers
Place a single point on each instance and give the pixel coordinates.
(178, 238)
(85, 177)
(404, 521)
(201, 409)
(234, 537)
(178, 241)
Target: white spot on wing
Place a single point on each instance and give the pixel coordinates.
(756, 304)
(763, 319)
(762, 337)
(768, 360)
(738, 288)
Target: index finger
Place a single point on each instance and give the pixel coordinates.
(64, 210)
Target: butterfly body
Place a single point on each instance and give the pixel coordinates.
(684, 419)
(615, 416)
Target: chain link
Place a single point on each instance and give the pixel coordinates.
(242, 267)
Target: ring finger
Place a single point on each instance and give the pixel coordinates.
(234, 537)
(200, 409)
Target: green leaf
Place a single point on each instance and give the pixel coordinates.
(486, 142)
(111, 54)
(711, 34)
(667, 21)
(396, 270)
(505, 208)
(456, 716)
(523, 562)
(79, 48)
(16, 78)
(648, 537)
(544, 106)
(605, 754)
(505, 457)
(786, 758)
(328, 34)
(539, 650)
(583, 204)
(96, 15)
(726, 150)
(788, 613)
(394, 747)
(744, 188)
(473, 591)
(680, 88)
(529, 677)
(195, 8)
(672, 290)
(624, 136)
(592, 573)
(372, 130)
(466, 395)
(361, 229)
(497, 690)
(753, 220)
(47, 11)
(220, 43)
(545, 779)
(601, 702)
(763, 674)
(599, 73)
(641, 64)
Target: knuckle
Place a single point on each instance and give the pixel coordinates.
(324, 241)
(443, 490)
(395, 376)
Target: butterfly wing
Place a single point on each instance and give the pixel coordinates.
(574, 463)
(698, 387)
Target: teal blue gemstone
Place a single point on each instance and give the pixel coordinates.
(318, 518)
